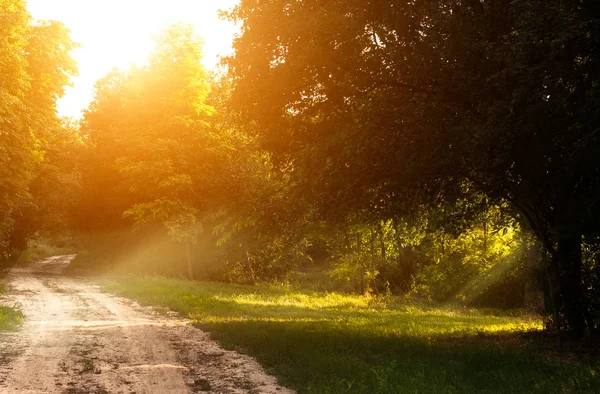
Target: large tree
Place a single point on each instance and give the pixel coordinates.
(398, 103)
(154, 149)
(15, 140)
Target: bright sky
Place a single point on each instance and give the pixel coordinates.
(118, 33)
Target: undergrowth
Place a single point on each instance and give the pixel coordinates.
(38, 249)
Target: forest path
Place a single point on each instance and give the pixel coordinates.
(78, 339)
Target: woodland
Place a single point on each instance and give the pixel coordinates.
(444, 150)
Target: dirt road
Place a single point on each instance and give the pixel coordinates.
(77, 339)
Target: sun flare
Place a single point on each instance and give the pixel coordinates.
(118, 33)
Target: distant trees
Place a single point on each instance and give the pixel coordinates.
(35, 67)
(386, 106)
(166, 154)
(150, 130)
(55, 187)
(161, 154)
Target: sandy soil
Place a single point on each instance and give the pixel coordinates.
(77, 339)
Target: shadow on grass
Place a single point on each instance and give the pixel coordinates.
(386, 351)
(324, 357)
(327, 343)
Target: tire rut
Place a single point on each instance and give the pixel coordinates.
(78, 339)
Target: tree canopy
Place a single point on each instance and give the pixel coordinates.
(35, 67)
(377, 102)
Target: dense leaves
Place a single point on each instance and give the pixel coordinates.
(35, 67)
(387, 103)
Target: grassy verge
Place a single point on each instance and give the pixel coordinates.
(334, 343)
(9, 317)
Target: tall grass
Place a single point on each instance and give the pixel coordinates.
(318, 342)
(38, 249)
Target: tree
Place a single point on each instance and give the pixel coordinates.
(16, 158)
(54, 184)
(35, 66)
(152, 133)
(379, 104)
(55, 187)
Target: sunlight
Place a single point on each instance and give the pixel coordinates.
(119, 33)
(320, 196)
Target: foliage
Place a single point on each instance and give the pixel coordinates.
(16, 158)
(165, 151)
(39, 248)
(406, 148)
(429, 256)
(391, 108)
(55, 188)
(35, 67)
(196, 169)
(160, 126)
(9, 317)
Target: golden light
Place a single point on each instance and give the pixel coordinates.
(118, 33)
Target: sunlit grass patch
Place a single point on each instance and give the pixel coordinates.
(9, 318)
(321, 342)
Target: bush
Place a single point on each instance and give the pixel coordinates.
(38, 248)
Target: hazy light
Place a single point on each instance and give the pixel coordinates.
(118, 33)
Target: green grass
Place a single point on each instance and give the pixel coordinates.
(38, 249)
(335, 343)
(10, 318)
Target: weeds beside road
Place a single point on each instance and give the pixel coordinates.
(9, 317)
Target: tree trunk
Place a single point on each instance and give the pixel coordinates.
(372, 244)
(188, 259)
(485, 236)
(398, 241)
(381, 238)
(362, 265)
(568, 265)
(407, 273)
(373, 282)
(532, 293)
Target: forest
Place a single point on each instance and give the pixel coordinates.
(443, 151)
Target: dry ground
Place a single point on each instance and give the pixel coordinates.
(77, 339)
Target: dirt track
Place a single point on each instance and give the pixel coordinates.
(77, 339)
